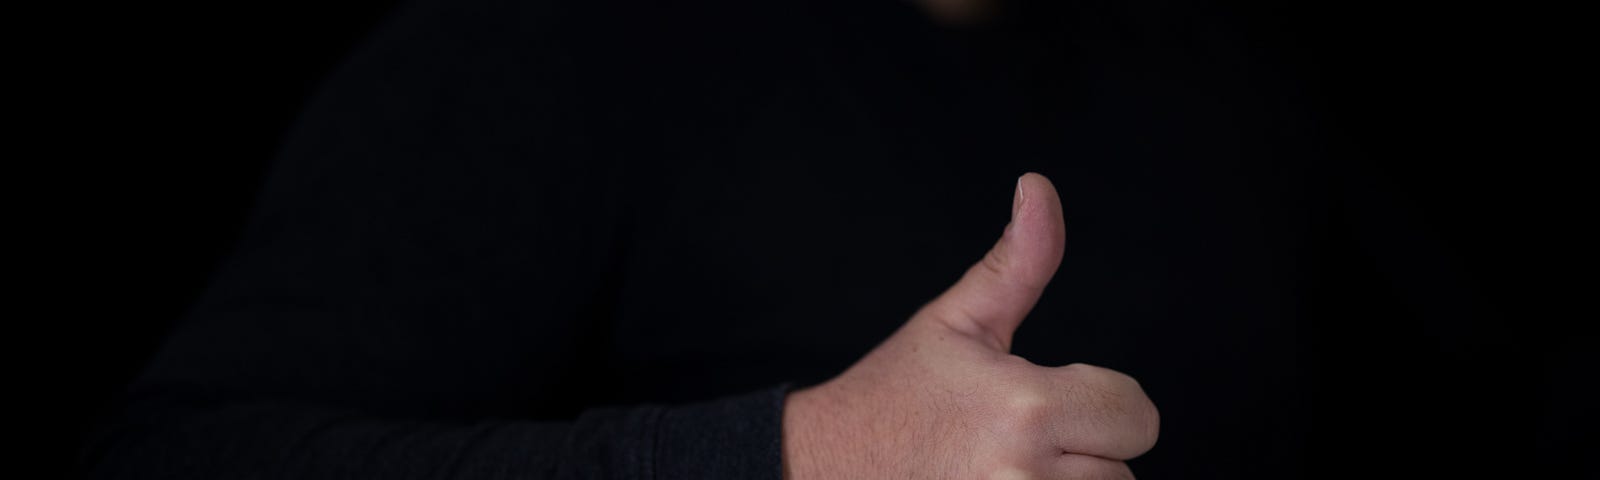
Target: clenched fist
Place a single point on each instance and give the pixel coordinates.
(943, 398)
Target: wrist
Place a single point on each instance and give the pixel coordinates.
(813, 441)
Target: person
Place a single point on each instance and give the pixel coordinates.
(746, 240)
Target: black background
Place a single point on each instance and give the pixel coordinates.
(169, 114)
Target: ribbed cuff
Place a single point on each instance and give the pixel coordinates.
(737, 437)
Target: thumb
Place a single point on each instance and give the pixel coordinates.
(995, 294)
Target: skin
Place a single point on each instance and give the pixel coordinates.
(942, 398)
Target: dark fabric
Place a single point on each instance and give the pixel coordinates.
(595, 240)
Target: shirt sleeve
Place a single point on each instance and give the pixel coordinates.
(423, 288)
(176, 437)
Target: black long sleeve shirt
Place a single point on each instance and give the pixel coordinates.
(602, 239)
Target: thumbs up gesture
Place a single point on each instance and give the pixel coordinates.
(943, 398)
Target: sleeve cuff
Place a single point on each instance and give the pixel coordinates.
(732, 437)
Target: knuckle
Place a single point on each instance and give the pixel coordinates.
(1027, 404)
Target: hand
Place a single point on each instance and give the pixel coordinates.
(943, 398)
